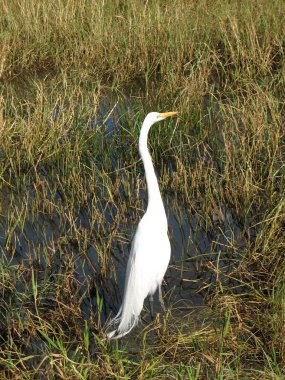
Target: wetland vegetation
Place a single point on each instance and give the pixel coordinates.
(76, 80)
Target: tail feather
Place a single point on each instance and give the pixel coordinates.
(123, 323)
(135, 292)
(129, 313)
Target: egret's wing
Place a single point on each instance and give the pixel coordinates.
(149, 258)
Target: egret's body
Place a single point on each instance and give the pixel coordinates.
(150, 251)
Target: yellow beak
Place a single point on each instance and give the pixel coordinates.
(167, 114)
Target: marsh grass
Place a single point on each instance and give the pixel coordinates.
(76, 82)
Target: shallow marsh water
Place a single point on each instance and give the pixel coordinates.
(37, 242)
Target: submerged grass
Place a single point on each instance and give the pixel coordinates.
(77, 79)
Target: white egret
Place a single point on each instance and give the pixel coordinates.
(150, 250)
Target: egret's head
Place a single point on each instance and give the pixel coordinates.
(154, 117)
(150, 119)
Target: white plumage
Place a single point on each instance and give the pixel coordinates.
(150, 251)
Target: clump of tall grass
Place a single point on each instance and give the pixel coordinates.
(132, 41)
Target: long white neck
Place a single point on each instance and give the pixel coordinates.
(155, 203)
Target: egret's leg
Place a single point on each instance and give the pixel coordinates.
(160, 298)
(151, 305)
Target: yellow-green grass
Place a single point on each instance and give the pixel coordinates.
(66, 69)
